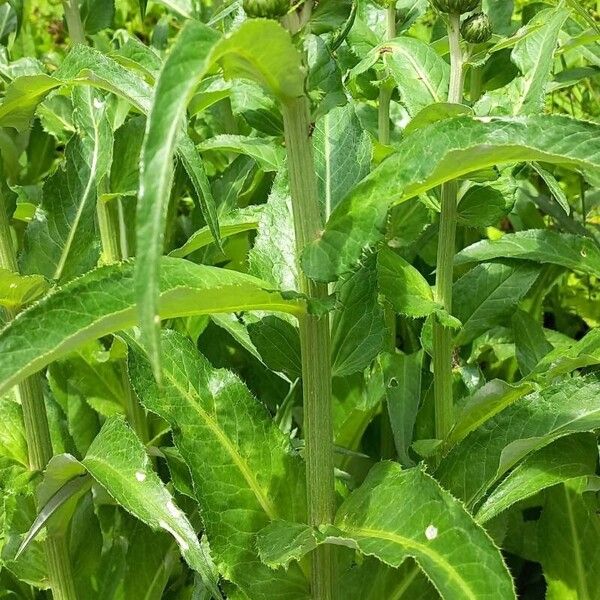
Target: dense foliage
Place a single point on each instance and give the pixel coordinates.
(299, 299)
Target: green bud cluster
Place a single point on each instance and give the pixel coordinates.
(477, 29)
(455, 7)
(269, 9)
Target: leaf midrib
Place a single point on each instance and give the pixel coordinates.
(194, 401)
(414, 545)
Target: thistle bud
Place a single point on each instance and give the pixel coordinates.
(476, 29)
(455, 7)
(269, 9)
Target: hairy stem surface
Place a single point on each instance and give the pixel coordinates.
(314, 340)
(30, 393)
(442, 336)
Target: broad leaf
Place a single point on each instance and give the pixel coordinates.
(568, 535)
(118, 461)
(453, 147)
(267, 153)
(429, 525)
(227, 437)
(103, 301)
(567, 458)
(531, 344)
(358, 326)
(488, 295)
(529, 424)
(342, 154)
(540, 245)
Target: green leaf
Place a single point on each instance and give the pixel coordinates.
(273, 255)
(239, 221)
(267, 154)
(278, 344)
(118, 461)
(227, 437)
(544, 246)
(527, 425)
(402, 380)
(483, 404)
(103, 302)
(358, 324)
(568, 535)
(403, 286)
(530, 342)
(554, 187)
(421, 75)
(184, 68)
(567, 458)
(97, 15)
(453, 147)
(456, 554)
(433, 113)
(21, 99)
(17, 290)
(342, 154)
(533, 55)
(13, 445)
(488, 295)
(485, 205)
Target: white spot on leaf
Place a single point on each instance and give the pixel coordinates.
(140, 476)
(431, 532)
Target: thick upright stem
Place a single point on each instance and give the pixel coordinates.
(442, 337)
(73, 19)
(314, 341)
(39, 445)
(385, 92)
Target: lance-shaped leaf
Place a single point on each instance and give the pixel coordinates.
(428, 525)
(567, 458)
(61, 241)
(568, 536)
(103, 301)
(241, 464)
(533, 55)
(487, 296)
(342, 154)
(575, 252)
(183, 70)
(529, 424)
(118, 461)
(420, 73)
(266, 151)
(275, 65)
(446, 150)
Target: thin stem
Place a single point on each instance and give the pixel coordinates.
(73, 19)
(442, 337)
(30, 393)
(111, 239)
(314, 342)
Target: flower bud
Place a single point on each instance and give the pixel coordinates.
(455, 7)
(476, 29)
(269, 9)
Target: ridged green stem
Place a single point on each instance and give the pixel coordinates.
(315, 346)
(73, 19)
(442, 336)
(39, 444)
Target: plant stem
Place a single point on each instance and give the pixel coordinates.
(111, 238)
(314, 342)
(442, 336)
(385, 91)
(73, 19)
(30, 393)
